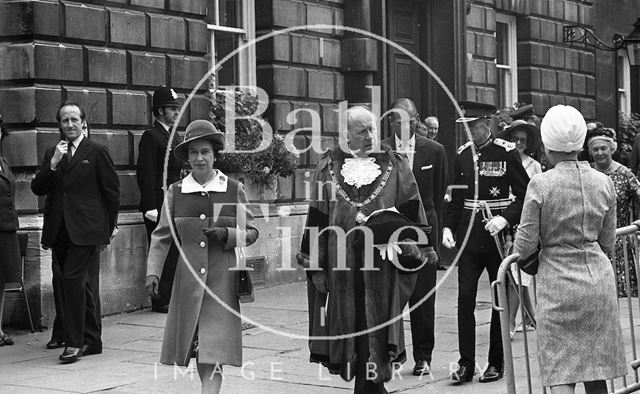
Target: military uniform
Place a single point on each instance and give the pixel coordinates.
(500, 176)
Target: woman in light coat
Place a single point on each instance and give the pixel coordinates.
(571, 211)
(211, 217)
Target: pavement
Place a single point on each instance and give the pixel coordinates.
(274, 362)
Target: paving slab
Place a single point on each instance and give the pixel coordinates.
(273, 363)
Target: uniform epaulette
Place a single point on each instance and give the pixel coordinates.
(465, 146)
(508, 146)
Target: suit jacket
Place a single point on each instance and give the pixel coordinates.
(430, 171)
(8, 215)
(150, 168)
(83, 191)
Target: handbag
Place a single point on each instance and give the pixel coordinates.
(245, 287)
(530, 263)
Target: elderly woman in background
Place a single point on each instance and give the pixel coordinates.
(571, 212)
(526, 136)
(211, 217)
(602, 146)
(10, 255)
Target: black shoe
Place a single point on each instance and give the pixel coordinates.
(6, 340)
(54, 344)
(70, 355)
(491, 374)
(463, 374)
(88, 350)
(422, 368)
(160, 308)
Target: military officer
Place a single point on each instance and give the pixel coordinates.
(149, 172)
(500, 172)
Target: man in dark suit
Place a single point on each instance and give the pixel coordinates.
(150, 171)
(429, 166)
(82, 192)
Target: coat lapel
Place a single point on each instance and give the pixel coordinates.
(81, 152)
(418, 156)
(5, 170)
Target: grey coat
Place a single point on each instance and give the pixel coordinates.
(193, 308)
(571, 210)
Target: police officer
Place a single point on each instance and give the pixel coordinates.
(149, 172)
(499, 173)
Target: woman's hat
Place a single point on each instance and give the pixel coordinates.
(533, 134)
(199, 129)
(563, 129)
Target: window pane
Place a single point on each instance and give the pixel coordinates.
(225, 43)
(504, 87)
(230, 13)
(502, 42)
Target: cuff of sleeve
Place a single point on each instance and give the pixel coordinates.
(233, 235)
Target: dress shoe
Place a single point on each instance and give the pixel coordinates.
(6, 340)
(160, 308)
(70, 355)
(422, 368)
(54, 344)
(88, 350)
(463, 374)
(491, 374)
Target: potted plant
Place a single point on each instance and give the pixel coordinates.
(261, 168)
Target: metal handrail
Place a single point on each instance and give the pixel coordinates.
(503, 306)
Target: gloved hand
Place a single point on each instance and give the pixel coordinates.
(495, 225)
(447, 238)
(152, 215)
(152, 285)
(219, 233)
(319, 279)
(388, 251)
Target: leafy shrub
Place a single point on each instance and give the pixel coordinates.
(263, 167)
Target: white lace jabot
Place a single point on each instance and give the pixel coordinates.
(360, 171)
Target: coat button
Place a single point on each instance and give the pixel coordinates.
(202, 271)
(203, 244)
(203, 216)
(203, 194)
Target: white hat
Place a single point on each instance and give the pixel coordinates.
(563, 129)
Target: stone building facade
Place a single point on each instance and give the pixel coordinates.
(109, 56)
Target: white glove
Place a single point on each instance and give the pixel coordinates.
(495, 225)
(152, 215)
(387, 251)
(447, 238)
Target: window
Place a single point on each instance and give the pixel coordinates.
(506, 60)
(232, 24)
(624, 83)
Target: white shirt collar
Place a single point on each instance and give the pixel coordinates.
(411, 142)
(77, 141)
(217, 184)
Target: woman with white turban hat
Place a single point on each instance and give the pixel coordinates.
(563, 129)
(570, 211)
